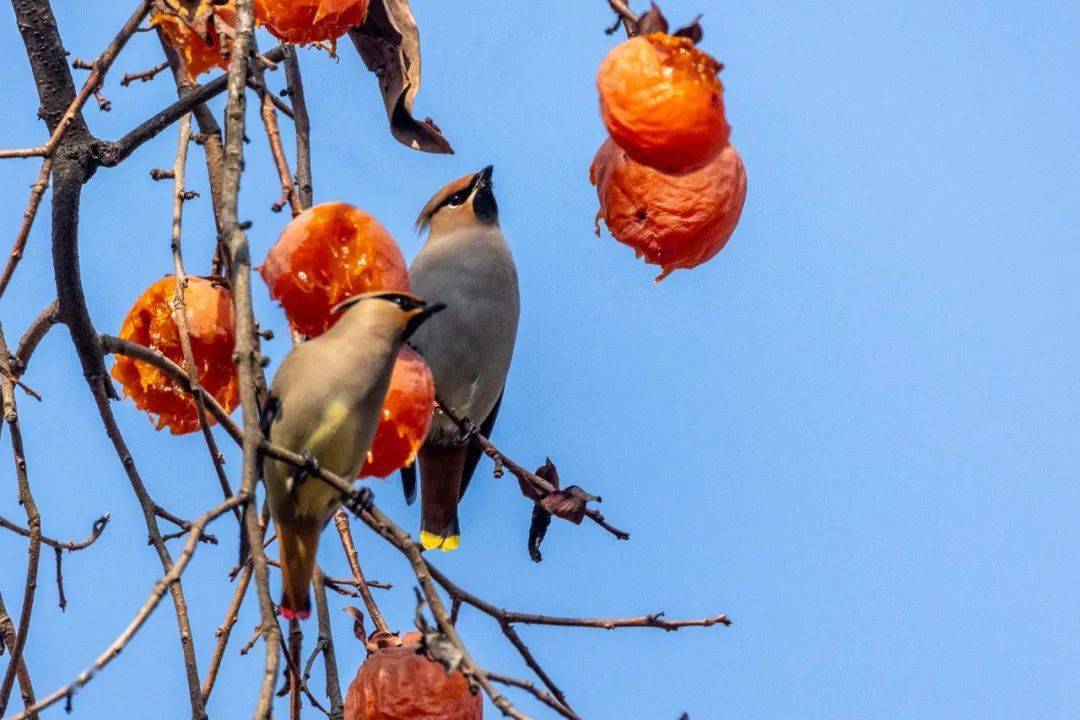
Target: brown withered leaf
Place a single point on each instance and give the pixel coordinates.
(358, 623)
(693, 32)
(652, 21)
(541, 520)
(569, 504)
(389, 44)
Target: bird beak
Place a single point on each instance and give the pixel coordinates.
(419, 317)
(483, 199)
(484, 176)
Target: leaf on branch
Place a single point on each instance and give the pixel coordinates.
(358, 622)
(652, 21)
(389, 44)
(569, 504)
(541, 519)
(692, 32)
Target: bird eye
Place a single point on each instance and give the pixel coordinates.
(458, 199)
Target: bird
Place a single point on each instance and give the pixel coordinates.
(325, 403)
(465, 263)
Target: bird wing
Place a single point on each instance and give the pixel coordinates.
(408, 483)
(472, 458)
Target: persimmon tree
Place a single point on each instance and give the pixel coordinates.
(189, 351)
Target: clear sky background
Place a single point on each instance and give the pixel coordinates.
(854, 431)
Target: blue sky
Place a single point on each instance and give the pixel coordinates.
(854, 430)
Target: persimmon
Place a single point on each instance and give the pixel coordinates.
(150, 322)
(327, 254)
(674, 221)
(310, 21)
(198, 36)
(400, 683)
(406, 416)
(662, 102)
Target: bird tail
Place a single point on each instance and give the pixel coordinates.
(440, 483)
(298, 542)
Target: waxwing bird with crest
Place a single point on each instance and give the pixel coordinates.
(325, 403)
(466, 264)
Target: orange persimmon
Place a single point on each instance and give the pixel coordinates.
(310, 21)
(406, 416)
(674, 221)
(662, 102)
(151, 322)
(327, 254)
(197, 36)
(400, 683)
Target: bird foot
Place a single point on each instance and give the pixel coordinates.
(309, 468)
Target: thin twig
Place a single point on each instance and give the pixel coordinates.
(247, 338)
(33, 522)
(37, 190)
(302, 127)
(325, 644)
(341, 520)
(180, 308)
(536, 693)
(541, 486)
(8, 635)
(160, 588)
(144, 76)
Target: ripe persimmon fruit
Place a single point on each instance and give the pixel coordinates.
(662, 102)
(406, 416)
(674, 221)
(151, 323)
(400, 683)
(327, 254)
(198, 37)
(310, 21)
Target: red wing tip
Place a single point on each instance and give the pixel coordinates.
(290, 614)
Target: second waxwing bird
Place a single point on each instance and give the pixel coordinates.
(466, 264)
(325, 404)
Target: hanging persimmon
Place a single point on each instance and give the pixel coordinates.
(150, 322)
(310, 21)
(406, 416)
(201, 36)
(398, 682)
(662, 102)
(674, 221)
(327, 254)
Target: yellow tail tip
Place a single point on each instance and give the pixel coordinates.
(431, 541)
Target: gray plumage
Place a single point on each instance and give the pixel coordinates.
(465, 263)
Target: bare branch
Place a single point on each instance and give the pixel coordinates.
(341, 520)
(160, 588)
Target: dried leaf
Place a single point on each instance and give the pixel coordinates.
(541, 519)
(569, 504)
(358, 623)
(693, 32)
(389, 44)
(652, 21)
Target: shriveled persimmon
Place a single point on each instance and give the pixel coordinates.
(662, 102)
(310, 21)
(327, 254)
(151, 322)
(406, 416)
(674, 221)
(201, 36)
(400, 683)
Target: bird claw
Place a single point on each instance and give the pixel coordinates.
(308, 468)
(361, 501)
